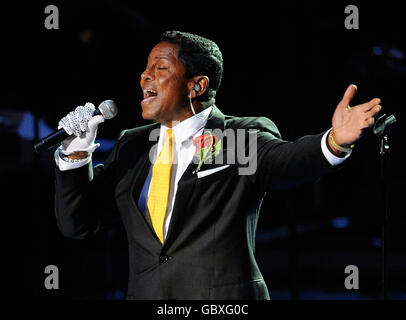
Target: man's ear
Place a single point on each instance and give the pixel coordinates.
(199, 85)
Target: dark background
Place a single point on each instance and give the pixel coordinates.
(290, 61)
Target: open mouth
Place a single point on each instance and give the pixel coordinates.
(149, 95)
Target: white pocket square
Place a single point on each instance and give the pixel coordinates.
(201, 174)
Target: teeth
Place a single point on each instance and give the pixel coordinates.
(149, 92)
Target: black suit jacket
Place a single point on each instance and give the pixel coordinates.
(209, 249)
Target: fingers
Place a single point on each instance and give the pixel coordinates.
(64, 123)
(76, 122)
(94, 122)
(371, 104)
(370, 109)
(372, 112)
(370, 121)
(369, 116)
(348, 95)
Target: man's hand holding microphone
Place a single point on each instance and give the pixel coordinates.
(81, 126)
(77, 131)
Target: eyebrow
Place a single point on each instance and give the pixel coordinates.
(159, 58)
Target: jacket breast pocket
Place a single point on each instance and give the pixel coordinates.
(220, 175)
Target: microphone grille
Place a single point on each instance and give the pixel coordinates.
(108, 109)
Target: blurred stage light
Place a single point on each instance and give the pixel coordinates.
(340, 223)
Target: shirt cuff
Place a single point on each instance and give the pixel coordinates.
(64, 165)
(333, 159)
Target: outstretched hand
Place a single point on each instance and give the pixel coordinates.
(350, 122)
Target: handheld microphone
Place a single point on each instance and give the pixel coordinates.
(107, 109)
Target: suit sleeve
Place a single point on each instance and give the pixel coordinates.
(282, 164)
(84, 199)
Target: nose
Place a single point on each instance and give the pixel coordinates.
(146, 75)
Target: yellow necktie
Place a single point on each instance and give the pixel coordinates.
(157, 203)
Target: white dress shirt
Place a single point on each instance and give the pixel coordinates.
(184, 133)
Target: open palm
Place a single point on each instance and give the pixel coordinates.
(349, 123)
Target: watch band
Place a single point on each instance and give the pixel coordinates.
(67, 159)
(336, 145)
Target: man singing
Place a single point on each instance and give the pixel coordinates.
(190, 219)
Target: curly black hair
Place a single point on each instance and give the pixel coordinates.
(199, 56)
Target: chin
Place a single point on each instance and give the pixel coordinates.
(150, 111)
(148, 115)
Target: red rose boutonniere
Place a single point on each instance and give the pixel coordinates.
(207, 147)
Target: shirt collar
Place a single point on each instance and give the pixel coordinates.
(188, 127)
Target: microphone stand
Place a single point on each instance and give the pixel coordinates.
(381, 129)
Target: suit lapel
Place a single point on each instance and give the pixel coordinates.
(139, 175)
(187, 182)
